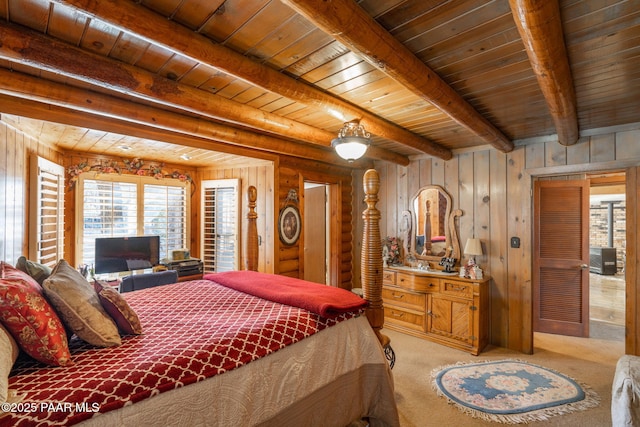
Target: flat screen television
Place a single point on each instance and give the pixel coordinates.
(116, 254)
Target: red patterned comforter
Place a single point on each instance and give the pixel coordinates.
(192, 331)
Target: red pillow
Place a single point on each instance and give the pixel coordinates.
(9, 272)
(118, 308)
(33, 323)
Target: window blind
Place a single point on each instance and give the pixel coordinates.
(110, 209)
(129, 205)
(165, 216)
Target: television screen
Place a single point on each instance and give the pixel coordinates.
(115, 254)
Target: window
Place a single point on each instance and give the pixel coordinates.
(46, 235)
(220, 223)
(129, 205)
(164, 216)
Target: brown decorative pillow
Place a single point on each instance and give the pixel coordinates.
(78, 305)
(8, 354)
(34, 269)
(118, 308)
(9, 272)
(34, 324)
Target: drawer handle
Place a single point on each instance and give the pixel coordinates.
(398, 296)
(395, 314)
(431, 285)
(459, 288)
(430, 313)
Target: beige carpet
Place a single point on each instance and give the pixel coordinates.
(590, 361)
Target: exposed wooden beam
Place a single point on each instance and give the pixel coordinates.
(26, 47)
(144, 23)
(29, 88)
(541, 30)
(348, 23)
(62, 115)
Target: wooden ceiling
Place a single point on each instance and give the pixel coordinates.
(213, 78)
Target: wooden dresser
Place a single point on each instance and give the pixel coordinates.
(445, 309)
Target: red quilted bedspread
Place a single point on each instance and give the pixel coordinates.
(192, 330)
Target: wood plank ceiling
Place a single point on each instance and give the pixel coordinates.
(204, 77)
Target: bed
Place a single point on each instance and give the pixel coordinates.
(237, 348)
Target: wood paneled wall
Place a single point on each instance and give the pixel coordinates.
(15, 150)
(494, 192)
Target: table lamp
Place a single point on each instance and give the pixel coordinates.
(473, 247)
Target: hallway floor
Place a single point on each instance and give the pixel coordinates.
(607, 306)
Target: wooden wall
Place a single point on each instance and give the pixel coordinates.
(15, 150)
(494, 192)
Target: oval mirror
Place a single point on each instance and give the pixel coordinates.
(434, 235)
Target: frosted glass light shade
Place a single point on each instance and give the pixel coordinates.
(349, 148)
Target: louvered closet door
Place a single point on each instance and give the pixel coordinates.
(561, 257)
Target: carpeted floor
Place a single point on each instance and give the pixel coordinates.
(591, 361)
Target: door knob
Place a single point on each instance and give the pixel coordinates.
(584, 266)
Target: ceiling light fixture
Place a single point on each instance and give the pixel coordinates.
(124, 147)
(185, 157)
(352, 141)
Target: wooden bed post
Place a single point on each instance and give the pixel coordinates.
(252, 231)
(371, 258)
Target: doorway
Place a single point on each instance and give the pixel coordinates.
(607, 242)
(600, 248)
(316, 232)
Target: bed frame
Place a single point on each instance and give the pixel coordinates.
(371, 256)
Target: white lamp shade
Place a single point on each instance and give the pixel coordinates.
(473, 247)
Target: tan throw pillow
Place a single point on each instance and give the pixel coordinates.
(8, 354)
(78, 306)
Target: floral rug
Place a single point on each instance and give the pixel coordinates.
(511, 391)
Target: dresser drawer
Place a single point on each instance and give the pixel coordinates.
(456, 288)
(399, 297)
(417, 283)
(388, 277)
(404, 317)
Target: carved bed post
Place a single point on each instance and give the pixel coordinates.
(371, 259)
(252, 230)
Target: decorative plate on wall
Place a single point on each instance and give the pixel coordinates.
(289, 225)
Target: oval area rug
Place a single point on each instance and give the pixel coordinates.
(511, 391)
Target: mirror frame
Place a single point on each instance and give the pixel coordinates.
(451, 234)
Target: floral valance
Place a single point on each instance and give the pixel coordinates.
(126, 166)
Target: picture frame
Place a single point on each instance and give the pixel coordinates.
(289, 225)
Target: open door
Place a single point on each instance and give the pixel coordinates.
(561, 257)
(315, 233)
